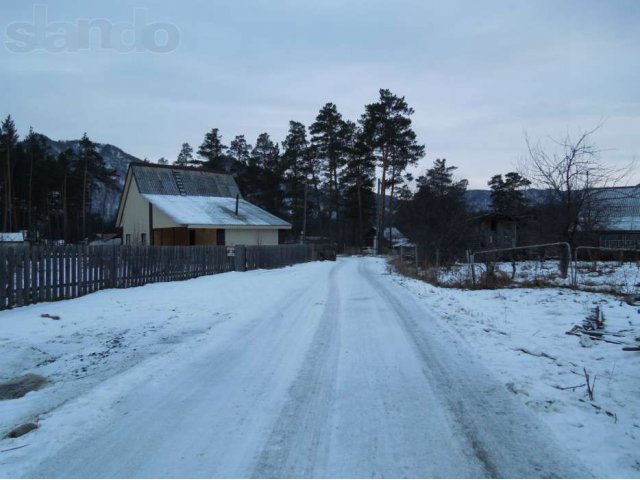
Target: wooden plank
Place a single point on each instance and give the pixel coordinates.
(60, 267)
(91, 255)
(80, 270)
(41, 282)
(73, 253)
(48, 278)
(11, 280)
(67, 272)
(19, 277)
(27, 277)
(35, 289)
(3, 278)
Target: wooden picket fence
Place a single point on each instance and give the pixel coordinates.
(45, 274)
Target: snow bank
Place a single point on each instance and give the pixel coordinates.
(520, 335)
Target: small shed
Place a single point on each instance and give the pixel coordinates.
(170, 205)
(493, 230)
(12, 238)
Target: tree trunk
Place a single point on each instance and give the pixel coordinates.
(65, 232)
(359, 193)
(379, 232)
(29, 226)
(8, 195)
(84, 201)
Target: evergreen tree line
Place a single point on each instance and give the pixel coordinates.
(49, 195)
(321, 178)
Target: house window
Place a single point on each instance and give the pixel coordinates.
(220, 237)
(127, 238)
(143, 239)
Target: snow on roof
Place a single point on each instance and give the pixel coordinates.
(214, 211)
(11, 237)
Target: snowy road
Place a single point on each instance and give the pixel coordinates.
(343, 374)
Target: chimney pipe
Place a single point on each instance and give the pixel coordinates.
(237, 203)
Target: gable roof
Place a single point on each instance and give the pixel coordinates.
(171, 180)
(196, 197)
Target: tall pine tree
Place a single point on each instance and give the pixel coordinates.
(213, 151)
(8, 145)
(387, 128)
(507, 195)
(328, 146)
(358, 179)
(294, 156)
(185, 157)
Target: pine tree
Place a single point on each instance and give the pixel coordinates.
(296, 151)
(37, 152)
(387, 128)
(163, 161)
(8, 144)
(435, 216)
(240, 150)
(185, 157)
(357, 178)
(64, 160)
(213, 151)
(267, 175)
(507, 195)
(93, 170)
(328, 146)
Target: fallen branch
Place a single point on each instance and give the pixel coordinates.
(489, 330)
(581, 332)
(600, 409)
(631, 349)
(14, 448)
(569, 388)
(541, 354)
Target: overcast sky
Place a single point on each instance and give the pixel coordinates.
(478, 74)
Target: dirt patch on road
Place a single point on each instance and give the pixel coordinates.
(20, 386)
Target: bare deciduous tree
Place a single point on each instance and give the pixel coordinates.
(573, 174)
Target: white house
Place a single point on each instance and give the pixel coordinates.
(170, 205)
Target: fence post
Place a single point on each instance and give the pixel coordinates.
(472, 261)
(240, 258)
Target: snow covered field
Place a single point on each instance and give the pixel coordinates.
(321, 369)
(609, 276)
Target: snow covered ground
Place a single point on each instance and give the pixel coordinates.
(609, 276)
(499, 324)
(321, 369)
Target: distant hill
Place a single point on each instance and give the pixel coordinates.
(104, 199)
(480, 200)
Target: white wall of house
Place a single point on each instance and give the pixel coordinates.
(135, 217)
(251, 236)
(161, 219)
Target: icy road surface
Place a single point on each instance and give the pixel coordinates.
(337, 372)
